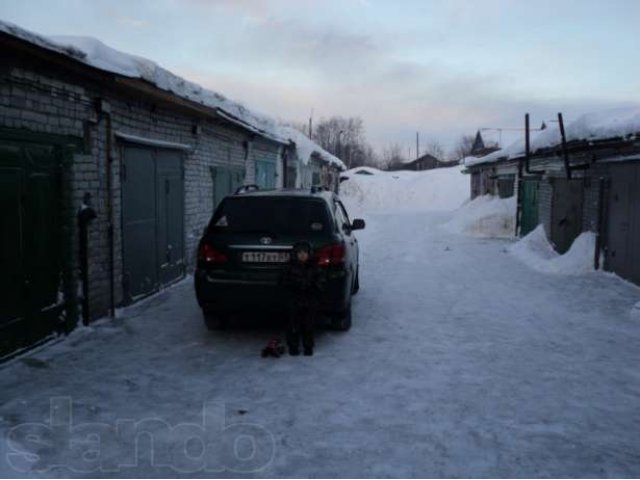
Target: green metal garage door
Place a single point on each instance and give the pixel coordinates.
(34, 244)
(152, 219)
(266, 174)
(529, 205)
(226, 180)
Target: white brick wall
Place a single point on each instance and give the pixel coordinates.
(56, 104)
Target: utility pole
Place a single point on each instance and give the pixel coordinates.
(311, 124)
(417, 144)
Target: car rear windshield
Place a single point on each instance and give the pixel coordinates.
(266, 215)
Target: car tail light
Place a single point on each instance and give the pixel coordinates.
(330, 255)
(208, 254)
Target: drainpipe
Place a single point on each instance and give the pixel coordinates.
(519, 194)
(601, 223)
(565, 154)
(85, 215)
(527, 169)
(109, 159)
(105, 111)
(527, 149)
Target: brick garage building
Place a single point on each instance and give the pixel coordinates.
(149, 162)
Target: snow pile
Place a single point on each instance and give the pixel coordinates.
(441, 189)
(535, 251)
(364, 171)
(487, 216)
(602, 125)
(635, 311)
(95, 53)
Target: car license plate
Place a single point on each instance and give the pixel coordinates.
(265, 257)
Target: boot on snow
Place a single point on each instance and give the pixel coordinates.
(274, 349)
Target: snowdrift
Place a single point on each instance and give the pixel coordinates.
(535, 251)
(487, 216)
(442, 189)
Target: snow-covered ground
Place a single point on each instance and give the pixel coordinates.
(462, 361)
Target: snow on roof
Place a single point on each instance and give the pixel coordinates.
(601, 125)
(95, 53)
(307, 147)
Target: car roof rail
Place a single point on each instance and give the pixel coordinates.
(247, 188)
(318, 188)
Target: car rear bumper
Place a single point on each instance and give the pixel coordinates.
(219, 292)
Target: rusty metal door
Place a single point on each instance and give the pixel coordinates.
(623, 230)
(566, 212)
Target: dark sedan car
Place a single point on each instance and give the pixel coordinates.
(248, 242)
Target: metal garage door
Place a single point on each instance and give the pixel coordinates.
(32, 243)
(529, 206)
(566, 212)
(226, 180)
(265, 174)
(623, 236)
(152, 219)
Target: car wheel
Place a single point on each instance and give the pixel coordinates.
(342, 321)
(356, 283)
(214, 321)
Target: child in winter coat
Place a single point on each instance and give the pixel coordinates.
(303, 280)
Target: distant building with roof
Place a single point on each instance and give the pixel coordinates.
(479, 148)
(424, 162)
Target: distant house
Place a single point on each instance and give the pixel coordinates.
(111, 168)
(479, 149)
(425, 162)
(589, 182)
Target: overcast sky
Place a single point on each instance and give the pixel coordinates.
(443, 68)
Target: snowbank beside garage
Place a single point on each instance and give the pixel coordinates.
(487, 216)
(535, 251)
(443, 189)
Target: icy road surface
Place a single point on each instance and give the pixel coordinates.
(461, 362)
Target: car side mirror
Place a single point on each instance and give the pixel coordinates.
(357, 224)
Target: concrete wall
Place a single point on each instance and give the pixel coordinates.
(592, 187)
